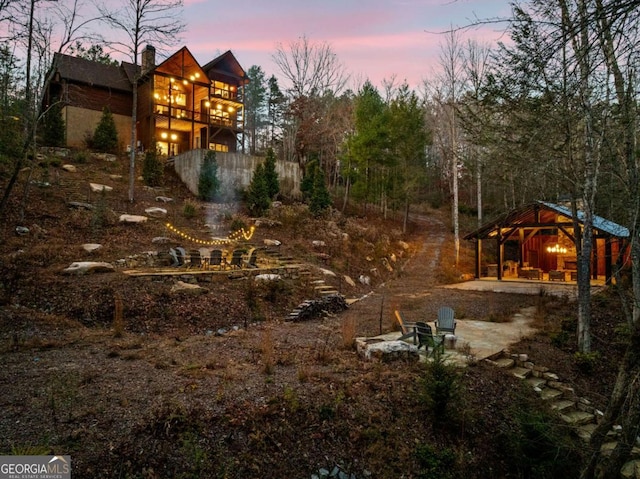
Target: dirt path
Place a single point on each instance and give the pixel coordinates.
(417, 292)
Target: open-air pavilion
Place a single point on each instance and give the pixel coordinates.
(538, 242)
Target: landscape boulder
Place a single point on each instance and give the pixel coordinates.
(98, 188)
(182, 287)
(132, 218)
(88, 267)
(156, 212)
(387, 351)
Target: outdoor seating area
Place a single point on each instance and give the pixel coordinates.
(421, 334)
(209, 259)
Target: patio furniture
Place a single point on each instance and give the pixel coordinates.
(236, 258)
(252, 257)
(426, 338)
(530, 273)
(215, 259)
(408, 328)
(557, 275)
(446, 322)
(195, 259)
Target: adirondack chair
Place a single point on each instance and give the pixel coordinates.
(408, 328)
(252, 257)
(215, 259)
(236, 258)
(446, 322)
(195, 259)
(426, 338)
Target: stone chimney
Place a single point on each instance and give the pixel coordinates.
(148, 58)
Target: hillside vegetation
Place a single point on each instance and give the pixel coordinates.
(134, 379)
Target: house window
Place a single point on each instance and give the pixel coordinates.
(219, 147)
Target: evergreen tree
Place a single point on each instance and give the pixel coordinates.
(276, 108)
(271, 175)
(95, 53)
(320, 198)
(308, 181)
(105, 136)
(208, 182)
(257, 194)
(152, 170)
(53, 132)
(255, 94)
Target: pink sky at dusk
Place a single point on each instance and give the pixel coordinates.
(374, 39)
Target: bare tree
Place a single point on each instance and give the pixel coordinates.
(448, 88)
(315, 77)
(310, 68)
(142, 21)
(50, 28)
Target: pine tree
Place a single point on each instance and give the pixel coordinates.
(152, 169)
(53, 133)
(308, 180)
(257, 194)
(105, 136)
(271, 175)
(320, 198)
(208, 182)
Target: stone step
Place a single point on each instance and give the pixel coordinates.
(536, 382)
(577, 418)
(328, 292)
(550, 394)
(631, 470)
(586, 430)
(521, 373)
(563, 406)
(503, 363)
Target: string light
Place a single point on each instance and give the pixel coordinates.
(232, 237)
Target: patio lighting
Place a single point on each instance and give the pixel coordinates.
(235, 236)
(556, 248)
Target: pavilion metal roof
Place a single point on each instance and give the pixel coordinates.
(517, 217)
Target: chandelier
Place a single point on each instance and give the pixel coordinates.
(556, 248)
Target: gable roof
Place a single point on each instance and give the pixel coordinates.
(545, 213)
(181, 64)
(89, 72)
(227, 64)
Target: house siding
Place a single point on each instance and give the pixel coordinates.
(74, 115)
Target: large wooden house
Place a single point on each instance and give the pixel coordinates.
(181, 105)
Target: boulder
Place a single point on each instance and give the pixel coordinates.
(22, 230)
(268, 277)
(349, 281)
(271, 242)
(69, 168)
(98, 188)
(326, 272)
(156, 212)
(79, 205)
(104, 156)
(182, 287)
(161, 240)
(132, 219)
(318, 244)
(91, 247)
(88, 267)
(164, 199)
(387, 351)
